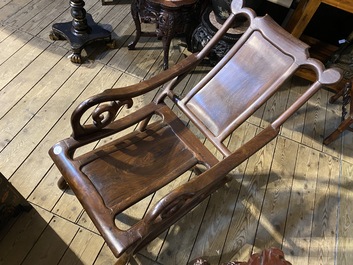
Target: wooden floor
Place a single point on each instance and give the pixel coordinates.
(294, 193)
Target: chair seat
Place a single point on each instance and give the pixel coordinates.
(142, 162)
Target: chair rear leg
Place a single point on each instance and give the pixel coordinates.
(345, 125)
(346, 93)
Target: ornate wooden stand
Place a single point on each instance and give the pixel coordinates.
(80, 32)
(271, 256)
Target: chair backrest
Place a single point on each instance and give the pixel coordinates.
(256, 66)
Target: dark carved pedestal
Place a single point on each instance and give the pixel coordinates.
(270, 256)
(206, 30)
(82, 30)
(172, 18)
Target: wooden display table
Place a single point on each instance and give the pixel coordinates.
(306, 10)
(171, 17)
(299, 21)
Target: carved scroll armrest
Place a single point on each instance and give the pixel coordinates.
(108, 103)
(103, 114)
(169, 205)
(197, 189)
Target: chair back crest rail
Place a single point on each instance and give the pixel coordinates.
(119, 174)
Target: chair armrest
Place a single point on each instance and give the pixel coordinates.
(107, 104)
(191, 193)
(91, 133)
(116, 98)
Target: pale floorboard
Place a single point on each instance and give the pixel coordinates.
(295, 193)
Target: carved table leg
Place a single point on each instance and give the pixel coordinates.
(136, 18)
(165, 30)
(166, 40)
(80, 32)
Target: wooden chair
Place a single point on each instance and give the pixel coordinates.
(121, 173)
(347, 117)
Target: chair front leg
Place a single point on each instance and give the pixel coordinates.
(123, 259)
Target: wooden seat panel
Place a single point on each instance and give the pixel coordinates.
(143, 164)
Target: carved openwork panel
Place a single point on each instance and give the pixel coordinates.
(101, 116)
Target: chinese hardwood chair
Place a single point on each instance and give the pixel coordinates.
(121, 173)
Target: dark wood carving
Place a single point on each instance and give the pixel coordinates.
(11, 201)
(272, 256)
(172, 18)
(207, 29)
(211, 22)
(124, 171)
(81, 31)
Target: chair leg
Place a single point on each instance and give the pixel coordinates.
(123, 259)
(346, 93)
(341, 128)
(336, 96)
(62, 184)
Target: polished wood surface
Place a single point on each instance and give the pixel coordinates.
(290, 192)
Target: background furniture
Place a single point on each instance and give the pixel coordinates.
(306, 10)
(298, 22)
(347, 116)
(206, 30)
(211, 21)
(11, 201)
(121, 173)
(80, 32)
(172, 18)
(271, 256)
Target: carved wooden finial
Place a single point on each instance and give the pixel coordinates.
(236, 5)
